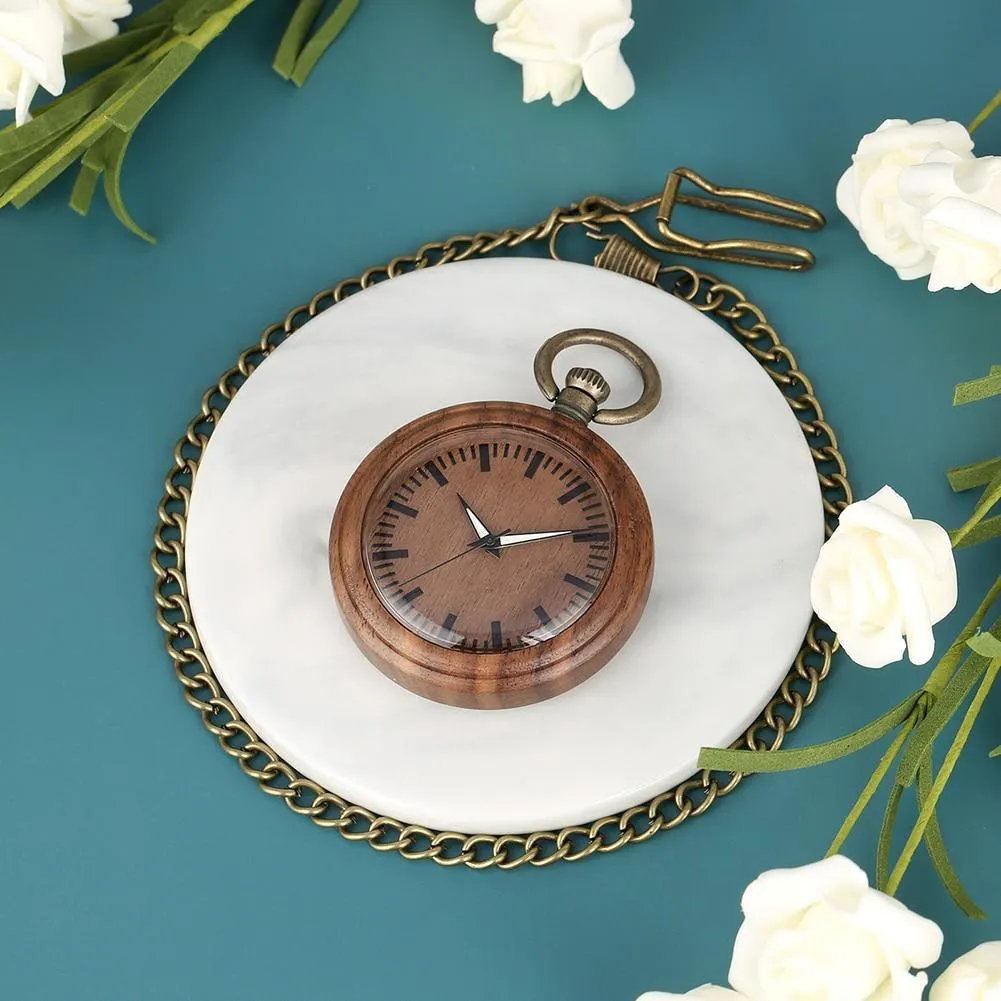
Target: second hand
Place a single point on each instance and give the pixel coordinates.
(485, 542)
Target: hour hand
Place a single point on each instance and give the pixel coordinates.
(479, 528)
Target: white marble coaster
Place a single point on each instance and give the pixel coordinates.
(736, 510)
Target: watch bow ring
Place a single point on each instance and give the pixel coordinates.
(495, 554)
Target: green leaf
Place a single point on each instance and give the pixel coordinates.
(115, 145)
(111, 50)
(927, 809)
(986, 645)
(935, 844)
(977, 475)
(987, 500)
(977, 389)
(52, 165)
(13, 168)
(985, 531)
(755, 762)
(194, 12)
(78, 141)
(130, 111)
(996, 753)
(869, 790)
(55, 118)
(85, 185)
(161, 15)
(302, 20)
(885, 840)
(322, 40)
(945, 707)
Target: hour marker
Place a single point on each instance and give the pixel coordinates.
(449, 622)
(436, 474)
(591, 537)
(411, 595)
(542, 615)
(390, 554)
(533, 466)
(483, 451)
(583, 585)
(574, 492)
(402, 509)
(496, 640)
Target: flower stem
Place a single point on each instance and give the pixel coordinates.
(927, 811)
(946, 666)
(874, 782)
(991, 107)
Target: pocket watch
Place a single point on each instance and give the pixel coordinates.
(492, 555)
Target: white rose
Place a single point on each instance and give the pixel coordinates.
(707, 992)
(883, 578)
(961, 221)
(821, 932)
(563, 43)
(973, 977)
(868, 192)
(90, 21)
(31, 53)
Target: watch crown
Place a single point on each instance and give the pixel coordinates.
(590, 381)
(584, 392)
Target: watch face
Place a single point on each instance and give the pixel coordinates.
(489, 542)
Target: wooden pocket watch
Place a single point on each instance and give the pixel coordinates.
(492, 555)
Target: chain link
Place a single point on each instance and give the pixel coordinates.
(301, 795)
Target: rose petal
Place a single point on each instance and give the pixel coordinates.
(874, 647)
(888, 499)
(846, 196)
(779, 894)
(943, 596)
(707, 992)
(492, 11)
(975, 976)
(561, 81)
(917, 939)
(607, 76)
(573, 27)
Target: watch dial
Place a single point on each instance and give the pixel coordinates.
(489, 542)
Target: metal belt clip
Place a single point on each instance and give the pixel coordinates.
(761, 253)
(624, 255)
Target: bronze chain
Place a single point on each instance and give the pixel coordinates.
(301, 795)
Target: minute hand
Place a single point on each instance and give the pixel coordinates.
(520, 540)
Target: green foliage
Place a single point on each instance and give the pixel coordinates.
(962, 677)
(93, 123)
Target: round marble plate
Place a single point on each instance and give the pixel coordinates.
(737, 516)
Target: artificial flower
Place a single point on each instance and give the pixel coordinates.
(89, 21)
(961, 220)
(973, 977)
(707, 992)
(869, 190)
(561, 44)
(821, 931)
(883, 579)
(31, 53)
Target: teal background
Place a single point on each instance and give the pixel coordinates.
(135, 860)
